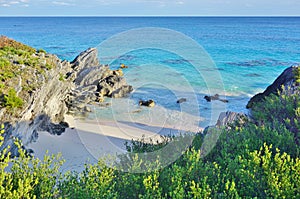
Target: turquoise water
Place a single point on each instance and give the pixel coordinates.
(249, 53)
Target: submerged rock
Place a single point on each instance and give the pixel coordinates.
(181, 100)
(215, 97)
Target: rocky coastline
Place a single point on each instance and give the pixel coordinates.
(70, 87)
(65, 88)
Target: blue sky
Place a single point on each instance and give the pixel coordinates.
(149, 7)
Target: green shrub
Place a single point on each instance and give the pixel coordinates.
(259, 159)
(4, 62)
(61, 77)
(42, 51)
(11, 100)
(297, 74)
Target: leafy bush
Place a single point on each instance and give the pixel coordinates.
(11, 100)
(259, 159)
(297, 74)
(4, 62)
(42, 51)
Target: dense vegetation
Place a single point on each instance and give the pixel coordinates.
(257, 159)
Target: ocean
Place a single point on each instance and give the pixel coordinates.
(243, 54)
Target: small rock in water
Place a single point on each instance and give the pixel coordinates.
(148, 103)
(215, 97)
(123, 66)
(137, 111)
(181, 100)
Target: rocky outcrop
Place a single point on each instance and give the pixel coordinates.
(228, 118)
(86, 59)
(93, 82)
(285, 81)
(66, 87)
(114, 86)
(43, 109)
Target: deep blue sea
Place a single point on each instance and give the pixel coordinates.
(248, 52)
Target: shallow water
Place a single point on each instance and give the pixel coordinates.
(248, 53)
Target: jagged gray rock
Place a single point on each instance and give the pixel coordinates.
(286, 80)
(114, 86)
(229, 117)
(122, 92)
(92, 75)
(88, 58)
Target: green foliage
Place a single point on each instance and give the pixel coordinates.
(61, 77)
(28, 177)
(280, 109)
(42, 51)
(18, 60)
(297, 74)
(11, 100)
(259, 159)
(4, 62)
(96, 181)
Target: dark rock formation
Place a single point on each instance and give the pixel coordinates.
(114, 86)
(215, 97)
(181, 100)
(148, 103)
(285, 80)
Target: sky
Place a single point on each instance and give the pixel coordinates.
(149, 7)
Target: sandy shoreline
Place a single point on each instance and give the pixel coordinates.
(88, 140)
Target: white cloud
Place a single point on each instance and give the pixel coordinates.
(179, 2)
(108, 2)
(14, 2)
(5, 5)
(62, 3)
(8, 3)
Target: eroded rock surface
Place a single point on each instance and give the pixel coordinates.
(285, 81)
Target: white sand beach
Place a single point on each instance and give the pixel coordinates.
(88, 140)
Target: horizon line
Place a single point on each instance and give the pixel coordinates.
(149, 15)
